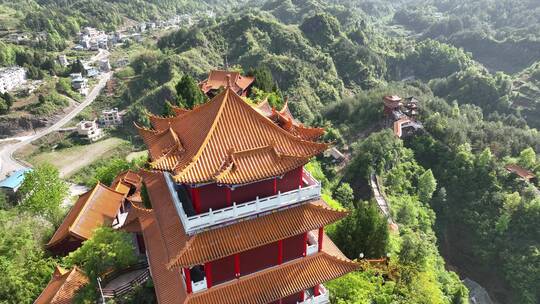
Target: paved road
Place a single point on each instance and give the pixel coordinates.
(8, 163)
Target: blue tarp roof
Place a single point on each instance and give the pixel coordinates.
(14, 180)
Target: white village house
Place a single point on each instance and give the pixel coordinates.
(110, 117)
(90, 130)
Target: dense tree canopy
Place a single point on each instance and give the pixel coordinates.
(42, 192)
(189, 93)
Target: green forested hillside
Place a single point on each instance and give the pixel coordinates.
(489, 29)
(336, 72)
(454, 203)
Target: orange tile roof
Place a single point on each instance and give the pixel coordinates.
(183, 250)
(63, 286)
(398, 126)
(261, 287)
(201, 144)
(286, 121)
(125, 182)
(278, 282)
(127, 177)
(217, 79)
(520, 171)
(167, 283)
(132, 222)
(393, 101)
(93, 209)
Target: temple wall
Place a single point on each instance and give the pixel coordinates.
(212, 196)
(215, 197)
(293, 247)
(223, 270)
(289, 181)
(250, 191)
(258, 258)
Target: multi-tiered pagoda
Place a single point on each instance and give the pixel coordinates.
(235, 218)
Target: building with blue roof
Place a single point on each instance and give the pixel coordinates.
(14, 180)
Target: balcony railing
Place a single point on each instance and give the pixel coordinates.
(195, 286)
(322, 298)
(199, 286)
(314, 245)
(194, 223)
(119, 220)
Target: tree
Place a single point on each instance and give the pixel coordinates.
(4, 108)
(168, 109)
(110, 170)
(189, 93)
(43, 191)
(344, 194)
(527, 158)
(263, 78)
(4, 201)
(426, 186)
(364, 231)
(414, 251)
(77, 67)
(24, 267)
(107, 250)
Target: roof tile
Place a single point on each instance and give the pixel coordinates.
(278, 282)
(92, 210)
(209, 133)
(62, 287)
(183, 250)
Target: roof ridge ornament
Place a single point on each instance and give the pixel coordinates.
(228, 77)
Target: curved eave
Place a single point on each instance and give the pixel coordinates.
(221, 242)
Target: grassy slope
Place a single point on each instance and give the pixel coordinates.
(70, 160)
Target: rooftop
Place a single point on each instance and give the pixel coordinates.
(278, 282)
(184, 250)
(226, 141)
(286, 121)
(63, 286)
(219, 78)
(93, 209)
(15, 179)
(258, 288)
(520, 171)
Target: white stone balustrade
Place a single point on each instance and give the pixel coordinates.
(199, 286)
(194, 223)
(322, 298)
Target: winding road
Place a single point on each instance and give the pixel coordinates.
(8, 163)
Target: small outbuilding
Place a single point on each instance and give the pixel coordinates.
(14, 180)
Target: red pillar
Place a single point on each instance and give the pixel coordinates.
(208, 273)
(280, 252)
(301, 170)
(302, 296)
(237, 265)
(275, 185)
(317, 290)
(321, 237)
(229, 196)
(196, 199)
(305, 244)
(188, 279)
